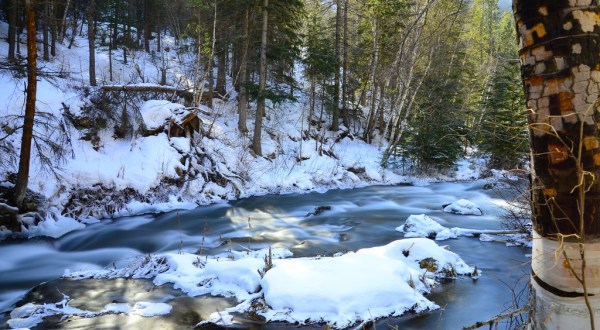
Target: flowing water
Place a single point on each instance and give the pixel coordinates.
(357, 218)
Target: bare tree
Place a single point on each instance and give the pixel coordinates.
(25, 155)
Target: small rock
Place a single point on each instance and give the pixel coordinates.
(319, 210)
(430, 264)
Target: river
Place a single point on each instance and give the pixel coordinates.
(357, 218)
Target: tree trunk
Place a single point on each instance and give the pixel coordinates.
(222, 60)
(373, 78)
(560, 51)
(211, 60)
(23, 174)
(63, 22)
(312, 99)
(147, 26)
(12, 28)
(74, 24)
(110, 65)
(262, 84)
(158, 41)
(335, 125)
(381, 109)
(53, 28)
(344, 111)
(91, 43)
(45, 39)
(243, 94)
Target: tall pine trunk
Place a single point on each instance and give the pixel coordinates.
(262, 84)
(243, 94)
(45, 31)
(12, 28)
(373, 78)
(91, 43)
(25, 155)
(335, 124)
(344, 111)
(222, 50)
(560, 51)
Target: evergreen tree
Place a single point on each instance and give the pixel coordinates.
(503, 130)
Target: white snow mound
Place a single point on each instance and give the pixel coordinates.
(423, 226)
(361, 286)
(464, 207)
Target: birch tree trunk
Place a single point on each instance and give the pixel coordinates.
(559, 44)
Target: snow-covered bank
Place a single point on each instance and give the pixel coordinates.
(127, 164)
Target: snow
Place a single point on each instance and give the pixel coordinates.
(30, 315)
(155, 113)
(423, 226)
(342, 290)
(144, 164)
(54, 227)
(464, 207)
(295, 163)
(118, 308)
(354, 287)
(148, 309)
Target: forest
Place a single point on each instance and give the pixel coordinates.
(123, 123)
(427, 83)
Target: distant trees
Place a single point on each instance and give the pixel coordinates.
(423, 78)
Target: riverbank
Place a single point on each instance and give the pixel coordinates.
(89, 164)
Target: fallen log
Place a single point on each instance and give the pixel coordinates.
(186, 94)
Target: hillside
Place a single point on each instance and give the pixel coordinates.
(105, 154)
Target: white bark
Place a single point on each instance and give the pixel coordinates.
(555, 311)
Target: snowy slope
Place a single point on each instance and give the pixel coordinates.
(102, 175)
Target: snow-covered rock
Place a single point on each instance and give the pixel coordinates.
(156, 112)
(423, 226)
(464, 207)
(361, 286)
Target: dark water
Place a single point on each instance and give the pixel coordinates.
(357, 219)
